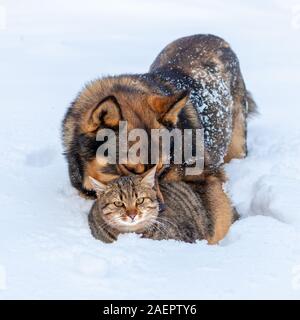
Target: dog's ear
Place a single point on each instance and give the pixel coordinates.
(168, 107)
(106, 113)
(171, 116)
(98, 186)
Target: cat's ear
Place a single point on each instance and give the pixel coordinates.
(149, 178)
(98, 186)
(168, 107)
(107, 112)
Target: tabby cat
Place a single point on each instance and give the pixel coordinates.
(131, 204)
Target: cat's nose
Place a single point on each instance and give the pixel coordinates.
(131, 214)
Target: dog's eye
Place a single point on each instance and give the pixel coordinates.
(140, 200)
(118, 203)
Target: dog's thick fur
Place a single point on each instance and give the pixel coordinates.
(195, 82)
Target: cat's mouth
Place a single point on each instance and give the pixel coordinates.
(133, 225)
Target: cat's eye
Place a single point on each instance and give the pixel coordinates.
(118, 203)
(139, 200)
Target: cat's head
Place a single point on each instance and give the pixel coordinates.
(129, 203)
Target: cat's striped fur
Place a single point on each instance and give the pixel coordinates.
(184, 219)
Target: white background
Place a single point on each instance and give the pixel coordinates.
(48, 50)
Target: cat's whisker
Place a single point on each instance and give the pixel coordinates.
(152, 224)
(162, 228)
(166, 220)
(103, 225)
(156, 228)
(171, 223)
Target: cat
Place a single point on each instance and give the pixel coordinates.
(131, 204)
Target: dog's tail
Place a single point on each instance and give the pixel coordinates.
(251, 105)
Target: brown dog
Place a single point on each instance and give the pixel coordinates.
(195, 82)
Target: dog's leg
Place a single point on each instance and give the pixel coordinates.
(218, 206)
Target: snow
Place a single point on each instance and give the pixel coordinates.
(46, 250)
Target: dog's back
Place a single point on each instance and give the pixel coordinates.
(209, 68)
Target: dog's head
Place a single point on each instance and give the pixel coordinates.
(109, 101)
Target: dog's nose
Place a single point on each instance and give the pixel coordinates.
(131, 214)
(135, 168)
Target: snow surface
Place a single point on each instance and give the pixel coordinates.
(47, 52)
